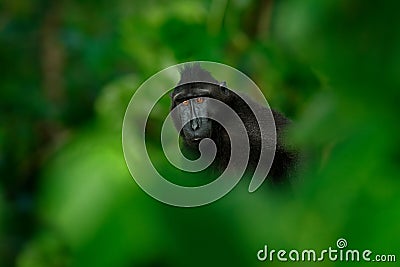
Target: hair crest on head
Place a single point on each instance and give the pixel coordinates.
(193, 72)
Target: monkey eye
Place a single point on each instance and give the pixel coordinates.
(185, 102)
(199, 100)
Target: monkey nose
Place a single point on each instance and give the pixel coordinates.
(195, 124)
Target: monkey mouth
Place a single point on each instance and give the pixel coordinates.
(194, 141)
(194, 138)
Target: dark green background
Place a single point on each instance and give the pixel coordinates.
(69, 68)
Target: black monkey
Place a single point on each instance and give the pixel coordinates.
(192, 93)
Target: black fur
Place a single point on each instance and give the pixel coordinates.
(285, 159)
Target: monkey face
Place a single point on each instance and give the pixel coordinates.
(194, 118)
(195, 109)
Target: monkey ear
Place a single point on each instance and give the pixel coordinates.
(223, 88)
(172, 93)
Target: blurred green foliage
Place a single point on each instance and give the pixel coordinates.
(69, 68)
